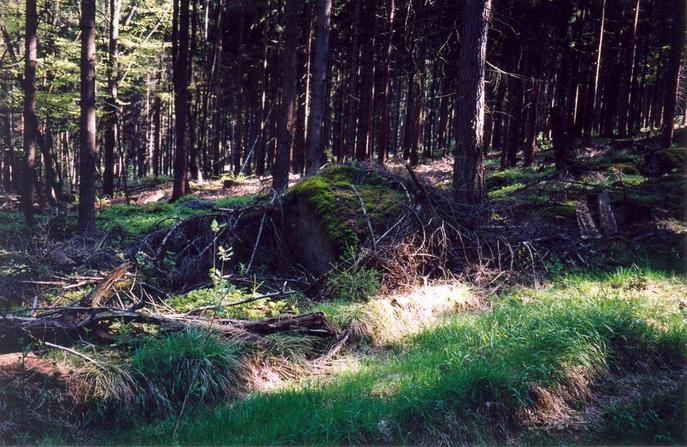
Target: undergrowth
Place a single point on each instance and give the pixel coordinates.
(477, 370)
(136, 220)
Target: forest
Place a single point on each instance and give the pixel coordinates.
(343, 222)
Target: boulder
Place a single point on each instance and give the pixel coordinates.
(324, 217)
(664, 161)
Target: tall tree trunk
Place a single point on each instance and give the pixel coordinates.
(315, 151)
(352, 84)
(592, 98)
(303, 92)
(280, 170)
(194, 156)
(180, 67)
(672, 75)
(30, 119)
(468, 168)
(111, 106)
(368, 24)
(629, 57)
(384, 75)
(87, 130)
(7, 153)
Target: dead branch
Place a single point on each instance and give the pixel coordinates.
(95, 297)
(75, 323)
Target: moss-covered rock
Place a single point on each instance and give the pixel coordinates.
(666, 161)
(324, 217)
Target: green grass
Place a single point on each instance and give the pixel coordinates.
(477, 369)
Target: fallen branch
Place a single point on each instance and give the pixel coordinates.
(73, 323)
(96, 296)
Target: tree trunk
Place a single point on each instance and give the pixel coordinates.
(367, 35)
(280, 171)
(180, 67)
(30, 119)
(590, 118)
(629, 57)
(672, 75)
(384, 75)
(87, 130)
(468, 168)
(111, 106)
(319, 86)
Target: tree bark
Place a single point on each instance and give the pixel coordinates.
(384, 74)
(590, 118)
(315, 148)
(468, 168)
(30, 119)
(280, 170)
(180, 67)
(672, 75)
(367, 35)
(111, 106)
(87, 131)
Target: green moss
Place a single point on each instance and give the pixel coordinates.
(135, 220)
(219, 302)
(557, 212)
(333, 199)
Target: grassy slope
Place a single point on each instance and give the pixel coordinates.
(479, 369)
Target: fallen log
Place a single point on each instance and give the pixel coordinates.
(68, 324)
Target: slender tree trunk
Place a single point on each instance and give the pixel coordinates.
(30, 119)
(672, 75)
(629, 50)
(7, 153)
(88, 151)
(468, 168)
(590, 118)
(111, 105)
(280, 171)
(302, 92)
(157, 135)
(383, 94)
(368, 24)
(180, 67)
(531, 145)
(315, 149)
(352, 84)
(194, 156)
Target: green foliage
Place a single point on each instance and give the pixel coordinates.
(218, 300)
(474, 372)
(354, 283)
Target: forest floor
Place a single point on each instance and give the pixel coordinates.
(571, 340)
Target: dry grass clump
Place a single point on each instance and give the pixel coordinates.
(389, 319)
(61, 389)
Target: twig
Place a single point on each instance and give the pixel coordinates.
(367, 217)
(257, 242)
(76, 353)
(238, 303)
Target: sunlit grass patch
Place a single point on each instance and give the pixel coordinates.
(480, 370)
